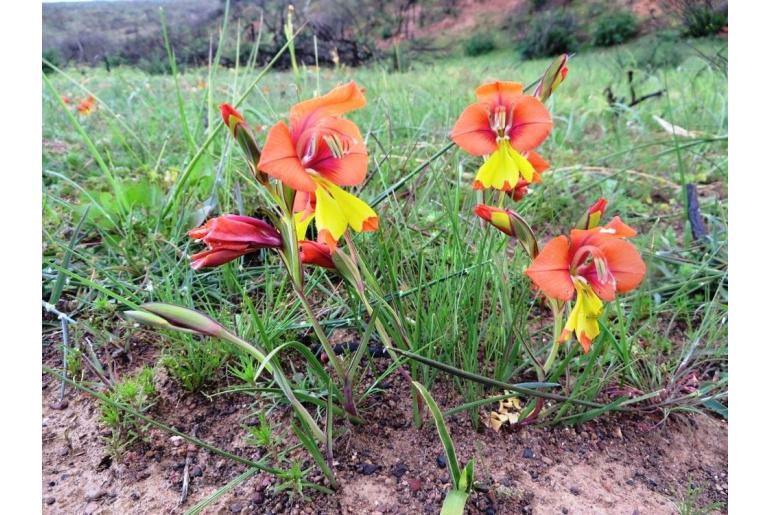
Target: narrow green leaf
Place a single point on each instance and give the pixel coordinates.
(443, 433)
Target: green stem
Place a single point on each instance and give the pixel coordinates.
(347, 388)
(557, 329)
(281, 381)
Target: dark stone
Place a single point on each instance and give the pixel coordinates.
(574, 490)
(399, 469)
(196, 472)
(528, 453)
(236, 507)
(565, 511)
(50, 500)
(59, 405)
(490, 511)
(368, 469)
(105, 463)
(441, 461)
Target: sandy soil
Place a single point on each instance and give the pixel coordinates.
(613, 465)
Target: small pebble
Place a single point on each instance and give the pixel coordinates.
(399, 469)
(528, 453)
(415, 485)
(95, 494)
(574, 490)
(50, 500)
(59, 405)
(368, 469)
(441, 461)
(236, 507)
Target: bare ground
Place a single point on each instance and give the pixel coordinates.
(617, 464)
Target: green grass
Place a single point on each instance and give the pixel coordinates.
(456, 283)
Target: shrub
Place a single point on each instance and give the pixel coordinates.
(479, 44)
(550, 34)
(704, 20)
(52, 56)
(698, 18)
(615, 28)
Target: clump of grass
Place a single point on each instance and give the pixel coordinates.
(194, 362)
(137, 392)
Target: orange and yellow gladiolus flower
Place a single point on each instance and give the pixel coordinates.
(504, 124)
(592, 265)
(316, 154)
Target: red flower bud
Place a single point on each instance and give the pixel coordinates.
(230, 236)
(232, 118)
(497, 217)
(593, 215)
(314, 253)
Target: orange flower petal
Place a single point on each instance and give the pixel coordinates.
(499, 92)
(350, 169)
(340, 100)
(279, 159)
(472, 132)
(531, 123)
(625, 263)
(538, 163)
(550, 270)
(617, 228)
(326, 238)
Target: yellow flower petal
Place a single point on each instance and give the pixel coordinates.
(336, 210)
(302, 222)
(584, 317)
(502, 169)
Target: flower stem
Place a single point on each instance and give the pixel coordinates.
(339, 369)
(557, 328)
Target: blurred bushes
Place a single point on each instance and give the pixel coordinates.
(702, 18)
(479, 44)
(52, 56)
(615, 28)
(550, 33)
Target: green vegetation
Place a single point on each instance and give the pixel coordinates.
(152, 162)
(551, 33)
(479, 44)
(137, 392)
(615, 28)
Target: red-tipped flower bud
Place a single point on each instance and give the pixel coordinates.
(232, 118)
(230, 236)
(314, 253)
(497, 217)
(554, 75)
(593, 215)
